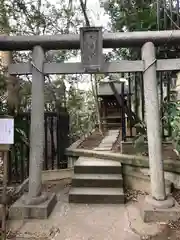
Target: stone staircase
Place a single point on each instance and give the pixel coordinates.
(97, 181)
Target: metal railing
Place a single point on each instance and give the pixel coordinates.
(56, 127)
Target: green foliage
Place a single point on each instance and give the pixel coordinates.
(140, 16)
(125, 16)
(141, 137)
(21, 130)
(172, 117)
(24, 17)
(171, 111)
(81, 108)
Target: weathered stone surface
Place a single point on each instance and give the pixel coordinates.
(91, 48)
(138, 181)
(95, 165)
(144, 230)
(167, 149)
(36, 155)
(71, 161)
(96, 181)
(108, 141)
(132, 160)
(145, 172)
(152, 214)
(169, 202)
(19, 210)
(96, 195)
(153, 122)
(89, 221)
(102, 149)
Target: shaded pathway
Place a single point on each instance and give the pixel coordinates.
(86, 222)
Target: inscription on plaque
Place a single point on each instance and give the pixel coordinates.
(6, 131)
(91, 48)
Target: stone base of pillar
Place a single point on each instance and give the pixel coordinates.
(169, 202)
(160, 211)
(21, 210)
(35, 200)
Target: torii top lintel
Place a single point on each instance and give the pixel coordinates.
(72, 41)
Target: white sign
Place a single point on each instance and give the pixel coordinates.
(6, 131)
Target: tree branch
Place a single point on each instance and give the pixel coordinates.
(83, 8)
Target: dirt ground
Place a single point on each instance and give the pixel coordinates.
(93, 221)
(95, 139)
(92, 141)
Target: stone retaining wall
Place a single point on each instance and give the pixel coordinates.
(167, 149)
(135, 168)
(134, 178)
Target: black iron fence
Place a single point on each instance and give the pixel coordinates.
(56, 127)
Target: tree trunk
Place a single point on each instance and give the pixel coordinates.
(12, 83)
(131, 115)
(83, 8)
(95, 94)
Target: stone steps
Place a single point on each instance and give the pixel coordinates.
(97, 181)
(96, 195)
(95, 165)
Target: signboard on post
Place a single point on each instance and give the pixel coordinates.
(6, 139)
(6, 131)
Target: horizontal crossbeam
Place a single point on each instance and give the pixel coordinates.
(72, 41)
(70, 68)
(108, 67)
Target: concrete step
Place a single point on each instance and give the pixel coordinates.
(97, 180)
(94, 165)
(96, 195)
(103, 149)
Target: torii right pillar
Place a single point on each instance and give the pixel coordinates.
(158, 206)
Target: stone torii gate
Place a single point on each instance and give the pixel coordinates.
(91, 41)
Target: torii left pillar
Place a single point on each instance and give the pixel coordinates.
(36, 204)
(37, 129)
